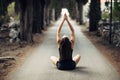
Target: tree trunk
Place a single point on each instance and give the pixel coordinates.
(17, 6)
(46, 13)
(36, 17)
(80, 5)
(46, 16)
(53, 14)
(94, 15)
(26, 20)
(57, 12)
(80, 10)
(42, 13)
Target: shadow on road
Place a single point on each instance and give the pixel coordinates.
(81, 70)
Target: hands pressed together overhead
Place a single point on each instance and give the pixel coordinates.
(65, 17)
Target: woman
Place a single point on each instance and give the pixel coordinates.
(65, 46)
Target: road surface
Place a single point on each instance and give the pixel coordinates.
(92, 66)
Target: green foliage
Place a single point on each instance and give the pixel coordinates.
(7, 10)
(105, 15)
(3, 6)
(116, 10)
(10, 9)
(17, 17)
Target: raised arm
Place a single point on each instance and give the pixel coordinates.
(58, 32)
(72, 31)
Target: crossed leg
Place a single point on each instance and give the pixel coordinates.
(76, 58)
(55, 59)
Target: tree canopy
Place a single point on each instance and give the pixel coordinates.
(35, 14)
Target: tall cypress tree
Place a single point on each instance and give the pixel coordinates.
(80, 4)
(47, 13)
(26, 20)
(17, 6)
(38, 15)
(94, 15)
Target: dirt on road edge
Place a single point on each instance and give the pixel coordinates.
(19, 53)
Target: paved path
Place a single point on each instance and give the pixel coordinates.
(92, 66)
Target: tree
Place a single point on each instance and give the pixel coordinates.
(94, 15)
(3, 10)
(17, 6)
(38, 16)
(116, 10)
(26, 20)
(72, 9)
(57, 8)
(80, 4)
(47, 13)
(3, 6)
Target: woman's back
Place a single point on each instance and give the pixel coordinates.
(65, 50)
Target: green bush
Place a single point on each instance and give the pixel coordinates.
(105, 15)
(116, 15)
(11, 11)
(116, 11)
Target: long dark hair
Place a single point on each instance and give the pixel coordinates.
(65, 47)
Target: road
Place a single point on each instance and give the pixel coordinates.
(92, 66)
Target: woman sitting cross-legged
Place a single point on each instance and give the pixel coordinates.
(65, 46)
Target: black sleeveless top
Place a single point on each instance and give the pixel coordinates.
(65, 55)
